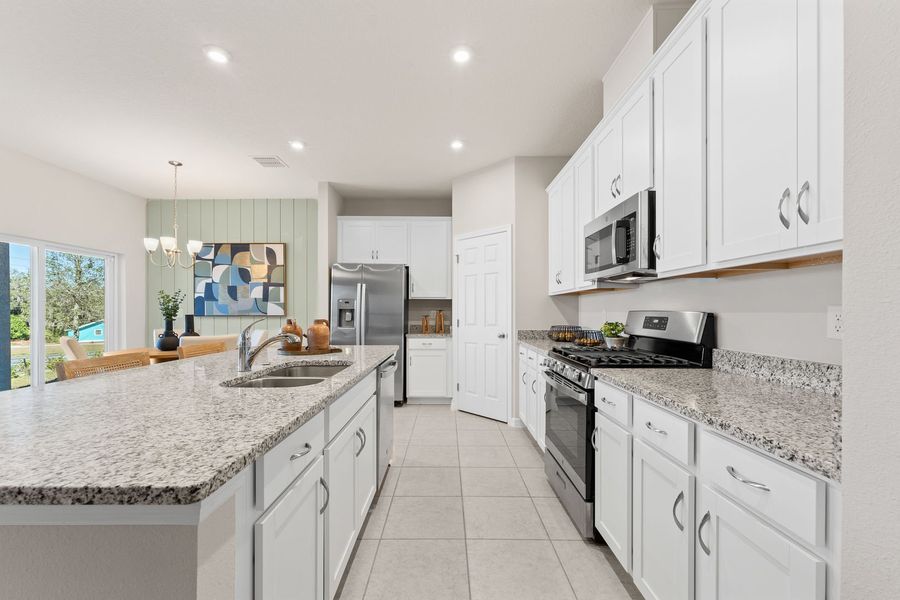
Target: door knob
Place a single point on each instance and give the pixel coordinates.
(502, 336)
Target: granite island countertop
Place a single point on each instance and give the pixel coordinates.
(165, 434)
(798, 425)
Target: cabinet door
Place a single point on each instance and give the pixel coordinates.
(531, 404)
(612, 493)
(584, 211)
(340, 518)
(567, 232)
(607, 165)
(752, 127)
(554, 237)
(366, 460)
(391, 242)
(356, 241)
(523, 388)
(429, 259)
(636, 173)
(663, 509)
(679, 127)
(740, 558)
(427, 375)
(540, 425)
(289, 542)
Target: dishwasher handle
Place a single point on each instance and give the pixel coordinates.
(387, 368)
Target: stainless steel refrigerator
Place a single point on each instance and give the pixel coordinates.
(368, 307)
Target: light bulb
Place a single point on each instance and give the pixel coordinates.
(462, 55)
(168, 243)
(194, 246)
(151, 244)
(456, 145)
(217, 55)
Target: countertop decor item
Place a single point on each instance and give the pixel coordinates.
(245, 279)
(564, 333)
(611, 332)
(292, 327)
(308, 352)
(318, 335)
(169, 306)
(439, 322)
(171, 252)
(189, 327)
(425, 327)
(589, 338)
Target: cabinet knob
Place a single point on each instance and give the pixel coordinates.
(502, 336)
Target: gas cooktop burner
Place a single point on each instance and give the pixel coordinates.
(625, 357)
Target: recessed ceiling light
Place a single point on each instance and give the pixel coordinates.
(462, 55)
(456, 145)
(217, 55)
(297, 145)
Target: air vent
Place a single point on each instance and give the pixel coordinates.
(269, 161)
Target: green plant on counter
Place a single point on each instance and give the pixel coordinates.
(612, 329)
(170, 304)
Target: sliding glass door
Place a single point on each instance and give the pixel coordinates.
(48, 292)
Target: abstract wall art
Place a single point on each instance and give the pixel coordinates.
(240, 279)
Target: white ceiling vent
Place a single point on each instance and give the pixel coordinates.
(269, 161)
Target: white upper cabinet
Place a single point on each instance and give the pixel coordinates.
(765, 159)
(740, 557)
(429, 258)
(373, 241)
(561, 221)
(584, 210)
(680, 154)
(607, 166)
(636, 124)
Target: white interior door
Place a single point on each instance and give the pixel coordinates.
(482, 304)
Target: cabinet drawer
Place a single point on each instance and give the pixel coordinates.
(531, 356)
(277, 469)
(791, 499)
(342, 410)
(666, 431)
(435, 343)
(613, 402)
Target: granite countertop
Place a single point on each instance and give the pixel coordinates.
(165, 434)
(543, 346)
(798, 425)
(429, 335)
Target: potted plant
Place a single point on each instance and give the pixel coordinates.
(169, 305)
(612, 330)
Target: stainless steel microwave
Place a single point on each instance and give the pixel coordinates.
(618, 245)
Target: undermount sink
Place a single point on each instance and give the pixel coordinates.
(279, 382)
(308, 371)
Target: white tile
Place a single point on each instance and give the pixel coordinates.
(492, 482)
(536, 482)
(431, 456)
(590, 571)
(502, 519)
(419, 570)
(428, 481)
(433, 437)
(434, 422)
(516, 570)
(527, 458)
(467, 422)
(479, 437)
(517, 437)
(390, 481)
(485, 456)
(377, 517)
(424, 518)
(556, 521)
(360, 567)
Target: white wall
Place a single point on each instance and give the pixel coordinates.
(392, 207)
(44, 202)
(871, 444)
(780, 313)
(484, 199)
(330, 206)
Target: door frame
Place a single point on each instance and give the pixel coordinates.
(511, 419)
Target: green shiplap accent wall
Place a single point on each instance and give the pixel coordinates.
(223, 221)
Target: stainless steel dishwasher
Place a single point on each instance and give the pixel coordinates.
(386, 395)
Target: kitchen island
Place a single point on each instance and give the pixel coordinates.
(148, 482)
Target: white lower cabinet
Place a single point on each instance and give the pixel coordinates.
(366, 461)
(532, 389)
(340, 518)
(428, 368)
(290, 541)
(612, 495)
(662, 526)
(741, 558)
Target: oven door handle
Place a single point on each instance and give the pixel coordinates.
(561, 385)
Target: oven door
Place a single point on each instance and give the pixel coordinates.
(568, 427)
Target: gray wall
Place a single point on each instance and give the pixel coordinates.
(293, 222)
(5, 375)
(871, 444)
(393, 207)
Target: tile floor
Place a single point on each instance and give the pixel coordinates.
(466, 513)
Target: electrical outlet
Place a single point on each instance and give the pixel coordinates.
(835, 323)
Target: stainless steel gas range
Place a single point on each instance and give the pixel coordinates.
(656, 339)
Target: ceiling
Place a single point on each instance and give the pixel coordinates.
(114, 89)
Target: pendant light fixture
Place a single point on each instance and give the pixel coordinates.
(169, 244)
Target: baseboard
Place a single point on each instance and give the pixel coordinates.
(429, 401)
(517, 423)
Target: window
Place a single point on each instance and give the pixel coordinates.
(59, 291)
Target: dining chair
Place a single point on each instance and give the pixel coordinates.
(192, 350)
(73, 369)
(72, 349)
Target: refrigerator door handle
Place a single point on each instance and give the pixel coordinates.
(362, 314)
(359, 311)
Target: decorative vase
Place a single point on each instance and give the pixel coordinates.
(319, 335)
(189, 327)
(615, 343)
(292, 327)
(168, 339)
(439, 322)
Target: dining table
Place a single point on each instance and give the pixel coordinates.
(156, 355)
